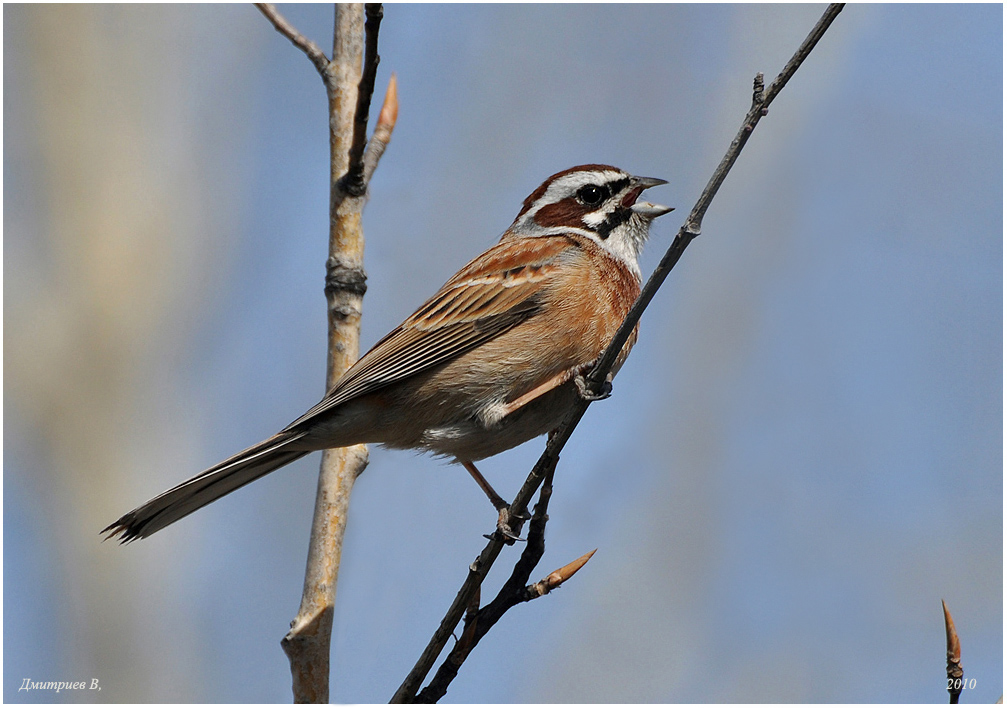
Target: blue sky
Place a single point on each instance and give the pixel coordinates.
(802, 457)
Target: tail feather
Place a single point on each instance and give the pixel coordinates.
(207, 486)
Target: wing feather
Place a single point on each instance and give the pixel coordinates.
(491, 295)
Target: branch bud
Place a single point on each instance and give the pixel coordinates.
(556, 578)
(954, 655)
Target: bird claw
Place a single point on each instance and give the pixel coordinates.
(504, 525)
(587, 394)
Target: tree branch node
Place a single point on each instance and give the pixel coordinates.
(343, 278)
(758, 90)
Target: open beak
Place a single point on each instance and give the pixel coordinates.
(647, 209)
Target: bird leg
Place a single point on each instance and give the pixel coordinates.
(502, 507)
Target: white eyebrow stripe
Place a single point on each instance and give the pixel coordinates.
(582, 178)
(569, 184)
(535, 230)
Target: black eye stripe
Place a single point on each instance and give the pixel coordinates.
(614, 220)
(596, 194)
(618, 216)
(618, 185)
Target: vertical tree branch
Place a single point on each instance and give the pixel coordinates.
(307, 644)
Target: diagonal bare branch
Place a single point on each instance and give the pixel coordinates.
(694, 222)
(479, 621)
(462, 601)
(596, 379)
(383, 130)
(314, 52)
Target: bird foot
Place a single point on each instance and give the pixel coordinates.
(504, 527)
(587, 394)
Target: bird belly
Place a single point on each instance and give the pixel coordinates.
(479, 436)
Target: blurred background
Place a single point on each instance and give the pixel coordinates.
(801, 458)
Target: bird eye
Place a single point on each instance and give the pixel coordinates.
(591, 195)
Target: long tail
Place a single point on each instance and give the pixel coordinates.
(207, 486)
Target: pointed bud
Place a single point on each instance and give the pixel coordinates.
(389, 110)
(559, 576)
(955, 672)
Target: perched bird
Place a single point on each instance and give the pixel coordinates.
(496, 357)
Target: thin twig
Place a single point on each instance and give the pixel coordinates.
(406, 693)
(383, 130)
(598, 375)
(954, 647)
(514, 591)
(353, 182)
(314, 52)
(694, 222)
